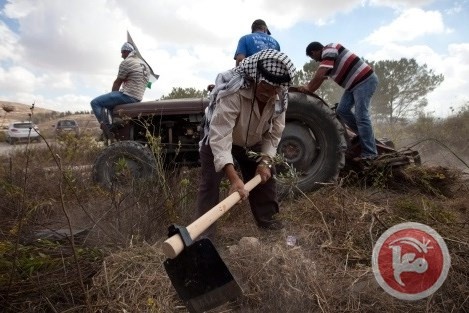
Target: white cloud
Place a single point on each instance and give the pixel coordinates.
(8, 44)
(410, 25)
(455, 68)
(454, 10)
(73, 35)
(393, 51)
(401, 4)
(454, 65)
(16, 79)
(397, 40)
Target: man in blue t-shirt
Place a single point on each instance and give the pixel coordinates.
(258, 40)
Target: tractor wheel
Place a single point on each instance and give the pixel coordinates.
(313, 142)
(122, 163)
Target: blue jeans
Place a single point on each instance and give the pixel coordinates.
(109, 101)
(360, 122)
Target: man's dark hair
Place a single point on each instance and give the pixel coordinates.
(259, 25)
(314, 46)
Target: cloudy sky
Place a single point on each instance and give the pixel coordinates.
(60, 54)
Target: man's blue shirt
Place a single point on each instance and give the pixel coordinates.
(255, 42)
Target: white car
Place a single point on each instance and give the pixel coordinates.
(22, 131)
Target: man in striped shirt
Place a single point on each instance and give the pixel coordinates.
(360, 83)
(133, 77)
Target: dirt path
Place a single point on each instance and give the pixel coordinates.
(7, 149)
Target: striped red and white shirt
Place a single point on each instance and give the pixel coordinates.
(346, 68)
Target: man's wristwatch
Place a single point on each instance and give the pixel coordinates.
(265, 163)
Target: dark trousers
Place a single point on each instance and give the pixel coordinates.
(262, 199)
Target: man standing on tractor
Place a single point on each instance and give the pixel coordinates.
(360, 83)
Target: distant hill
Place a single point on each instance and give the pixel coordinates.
(21, 108)
(45, 119)
(14, 111)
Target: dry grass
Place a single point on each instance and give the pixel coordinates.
(440, 141)
(328, 270)
(117, 265)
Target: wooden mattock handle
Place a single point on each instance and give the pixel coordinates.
(174, 245)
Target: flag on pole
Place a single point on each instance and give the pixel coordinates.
(153, 76)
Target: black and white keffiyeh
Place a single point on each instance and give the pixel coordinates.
(270, 65)
(273, 66)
